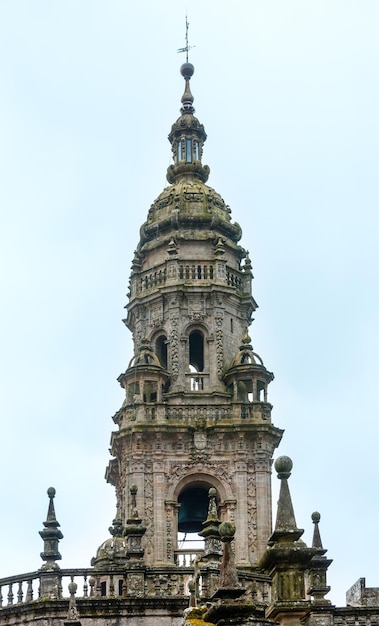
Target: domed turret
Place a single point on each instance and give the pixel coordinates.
(247, 378)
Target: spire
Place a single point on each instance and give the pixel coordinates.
(187, 71)
(212, 544)
(229, 586)
(187, 137)
(285, 517)
(134, 530)
(316, 543)
(317, 578)
(287, 558)
(51, 536)
(50, 586)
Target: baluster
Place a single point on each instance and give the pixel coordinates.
(1, 597)
(10, 594)
(20, 593)
(85, 587)
(72, 610)
(92, 582)
(29, 592)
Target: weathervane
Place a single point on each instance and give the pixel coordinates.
(187, 47)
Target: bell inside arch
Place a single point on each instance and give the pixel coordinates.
(193, 510)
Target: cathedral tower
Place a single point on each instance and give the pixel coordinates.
(196, 414)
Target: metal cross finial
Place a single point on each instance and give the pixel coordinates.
(187, 47)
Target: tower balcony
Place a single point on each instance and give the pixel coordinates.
(185, 415)
(188, 273)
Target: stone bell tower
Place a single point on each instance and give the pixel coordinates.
(196, 414)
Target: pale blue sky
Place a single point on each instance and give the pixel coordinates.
(288, 93)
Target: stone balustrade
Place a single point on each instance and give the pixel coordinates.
(24, 588)
(185, 272)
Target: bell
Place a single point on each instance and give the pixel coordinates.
(193, 510)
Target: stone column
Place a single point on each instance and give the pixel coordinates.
(159, 484)
(241, 521)
(263, 511)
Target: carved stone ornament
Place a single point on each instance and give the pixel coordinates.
(200, 440)
(156, 314)
(196, 310)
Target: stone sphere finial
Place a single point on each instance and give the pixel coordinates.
(316, 517)
(133, 489)
(283, 466)
(187, 70)
(227, 531)
(51, 492)
(212, 493)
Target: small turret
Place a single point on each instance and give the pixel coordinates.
(187, 137)
(248, 379)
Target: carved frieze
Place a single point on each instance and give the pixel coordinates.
(180, 469)
(219, 345)
(252, 514)
(174, 345)
(156, 314)
(169, 530)
(135, 584)
(149, 509)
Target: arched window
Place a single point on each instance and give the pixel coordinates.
(188, 150)
(179, 155)
(196, 350)
(161, 350)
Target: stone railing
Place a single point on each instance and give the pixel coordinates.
(236, 412)
(94, 584)
(187, 273)
(234, 279)
(191, 413)
(26, 587)
(89, 587)
(186, 558)
(18, 589)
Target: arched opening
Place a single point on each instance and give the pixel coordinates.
(188, 150)
(261, 391)
(194, 502)
(150, 391)
(193, 509)
(196, 350)
(161, 350)
(245, 391)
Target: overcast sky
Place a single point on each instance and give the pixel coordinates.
(288, 93)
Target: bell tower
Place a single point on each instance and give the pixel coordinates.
(196, 414)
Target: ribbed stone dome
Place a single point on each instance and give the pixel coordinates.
(190, 203)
